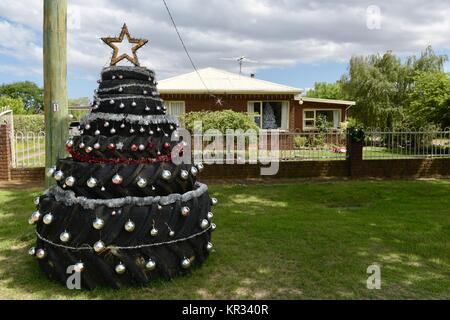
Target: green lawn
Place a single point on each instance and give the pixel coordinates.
(288, 241)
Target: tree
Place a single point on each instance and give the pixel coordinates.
(382, 85)
(430, 99)
(326, 90)
(31, 95)
(143, 215)
(16, 105)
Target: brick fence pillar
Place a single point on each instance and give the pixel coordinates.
(355, 153)
(5, 152)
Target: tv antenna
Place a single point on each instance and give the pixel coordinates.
(240, 60)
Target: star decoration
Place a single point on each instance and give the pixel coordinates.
(137, 42)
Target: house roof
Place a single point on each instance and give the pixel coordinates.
(331, 101)
(221, 82)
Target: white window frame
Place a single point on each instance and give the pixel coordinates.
(305, 128)
(169, 106)
(286, 114)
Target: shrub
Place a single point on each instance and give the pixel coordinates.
(220, 120)
(300, 142)
(29, 123)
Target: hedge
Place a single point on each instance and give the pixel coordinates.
(220, 120)
(29, 123)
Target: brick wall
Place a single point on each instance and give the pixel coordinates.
(5, 152)
(28, 174)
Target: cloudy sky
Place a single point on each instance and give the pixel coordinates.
(295, 42)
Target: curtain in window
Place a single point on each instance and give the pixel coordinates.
(285, 115)
(176, 108)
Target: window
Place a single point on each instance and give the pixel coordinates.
(175, 108)
(270, 114)
(310, 117)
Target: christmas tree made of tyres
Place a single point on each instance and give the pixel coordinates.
(121, 212)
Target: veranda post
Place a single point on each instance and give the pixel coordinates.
(55, 80)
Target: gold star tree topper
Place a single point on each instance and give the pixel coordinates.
(138, 43)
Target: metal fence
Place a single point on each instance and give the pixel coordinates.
(406, 144)
(28, 149)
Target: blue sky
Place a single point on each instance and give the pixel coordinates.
(296, 42)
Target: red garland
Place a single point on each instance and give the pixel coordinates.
(89, 159)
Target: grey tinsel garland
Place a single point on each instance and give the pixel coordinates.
(130, 118)
(141, 70)
(130, 97)
(148, 86)
(69, 198)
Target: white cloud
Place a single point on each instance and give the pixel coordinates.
(276, 33)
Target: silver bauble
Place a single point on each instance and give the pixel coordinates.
(204, 224)
(158, 108)
(112, 101)
(41, 253)
(78, 267)
(142, 183)
(122, 125)
(172, 233)
(210, 215)
(87, 126)
(150, 265)
(106, 124)
(132, 130)
(214, 201)
(166, 174)
(97, 132)
(129, 226)
(89, 149)
(145, 92)
(133, 104)
(99, 246)
(70, 181)
(98, 223)
(64, 236)
(185, 211)
(30, 221)
(185, 263)
(32, 251)
(113, 131)
(184, 174)
(35, 216)
(51, 171)
(200, 167)
(81, 145)
(48, 218)
(37, 200)
(194, 171)
(141, 147)
(213, 226)
(69, 143)
(147, 109)
(122, 105)
(154, 232)
(97, 146)
(120, 268)
(209, 246)
(92, 182)
(117, 179)
(58, 175)
(151, 132)
(120, 89)
(141, 130)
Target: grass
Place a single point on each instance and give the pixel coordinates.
(287, 241)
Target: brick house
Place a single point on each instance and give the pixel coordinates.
(218, 90)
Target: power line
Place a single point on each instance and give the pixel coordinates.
(185, 48)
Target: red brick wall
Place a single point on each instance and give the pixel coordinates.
(5, 152)
(28, 174)
(201, 102)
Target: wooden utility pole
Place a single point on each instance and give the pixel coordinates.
(55, 81)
